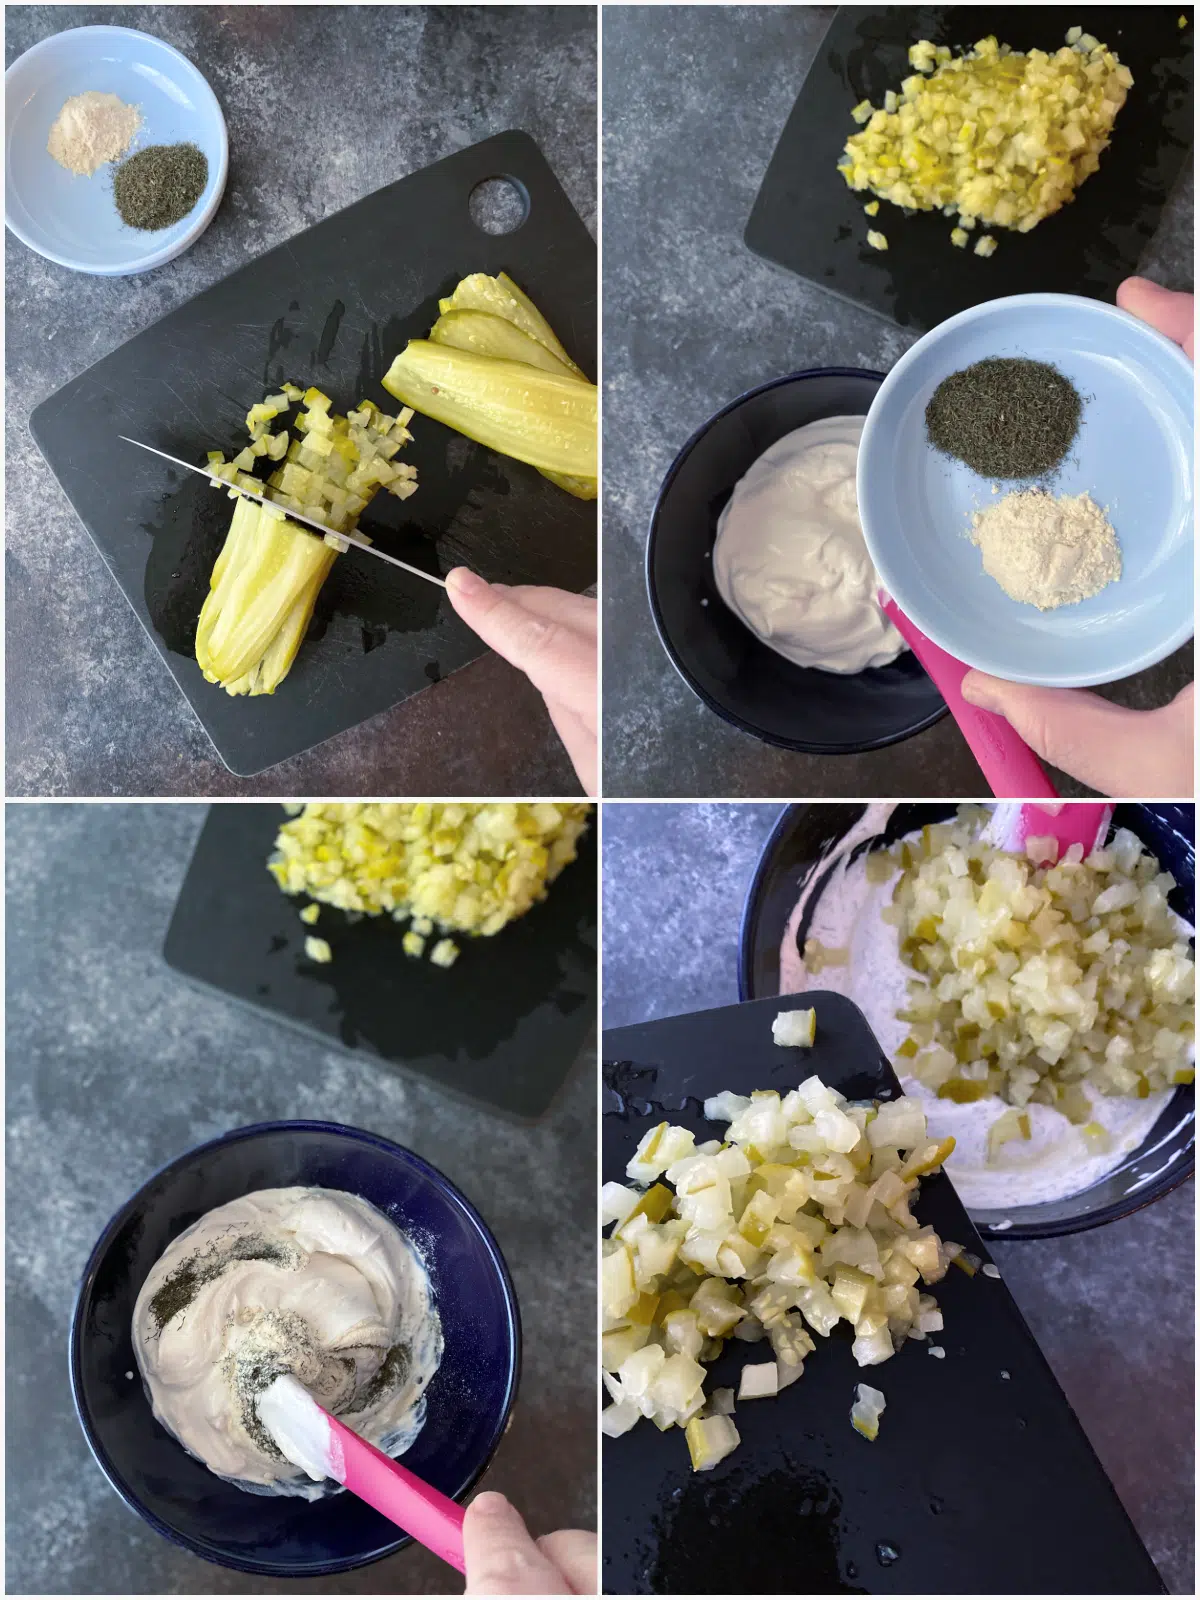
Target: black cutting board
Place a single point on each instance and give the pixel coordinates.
(980, 1483)
(502, 1026)
(807, 219)
(332, 307)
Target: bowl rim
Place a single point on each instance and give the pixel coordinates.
(751, 907)
(807, 747)
(987, 310)
(149, 259)
(103, 1244)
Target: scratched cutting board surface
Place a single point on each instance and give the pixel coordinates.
(503, 1026)
(981, 1480)
(807, 219)
(332, 307)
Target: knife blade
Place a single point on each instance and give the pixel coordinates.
(292, 516)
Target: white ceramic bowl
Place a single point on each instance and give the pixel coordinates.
(74, 220)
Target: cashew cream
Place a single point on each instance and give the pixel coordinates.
(790, 559)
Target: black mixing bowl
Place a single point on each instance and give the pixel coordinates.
(733, 672)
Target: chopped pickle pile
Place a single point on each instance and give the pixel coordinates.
(799, 1220)
(270, 570)
(332, 471)
(996, 135)
(1036, 979)
(450, 868)
(493, 369)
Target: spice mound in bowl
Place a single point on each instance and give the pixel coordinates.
(159, 186)
(117, 150)
(1025, 489)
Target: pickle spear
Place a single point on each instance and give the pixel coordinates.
(270, 571)
(538, 417)
(490, 335)
(261, 598)
(501, 298)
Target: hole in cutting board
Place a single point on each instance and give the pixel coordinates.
(499, 205)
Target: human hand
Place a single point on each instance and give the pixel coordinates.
(550, 636)
(502, 1557)
(1167, 310)
(1120, 753)
(1115, 751)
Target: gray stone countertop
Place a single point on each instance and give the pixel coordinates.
(116, 1065)
(695, 99)
(92, 709)
(1112, 1309)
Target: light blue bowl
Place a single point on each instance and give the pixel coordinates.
(74, 220)
(1133, 455)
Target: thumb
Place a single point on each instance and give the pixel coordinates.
(501, 1556)
(1113, 750)
(1167, 310)
(540, 647)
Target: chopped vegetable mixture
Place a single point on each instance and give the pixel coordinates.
(1037, 979)
(800, 1219)
(465, 868)
(995, 135)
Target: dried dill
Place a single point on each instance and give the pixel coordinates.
(189, 1277)
(157, 187)
(392, 1374)
(1005, 417)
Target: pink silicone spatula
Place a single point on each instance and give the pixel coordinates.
(326, 1448)
(1012, 770)
(1069, 822)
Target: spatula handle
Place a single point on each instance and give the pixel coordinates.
(408, 1501)
(1012, 770)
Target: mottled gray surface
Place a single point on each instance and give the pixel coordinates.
(114, 1066)
(325, 104)
(694, 102)
(1113, 1309)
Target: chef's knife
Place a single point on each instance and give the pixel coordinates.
(292, 516)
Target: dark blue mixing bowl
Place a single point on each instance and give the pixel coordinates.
(469, 1399)
(733, 672)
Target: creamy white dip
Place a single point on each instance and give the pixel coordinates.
(790, 559)
(1055, 1162)
(312, 1282)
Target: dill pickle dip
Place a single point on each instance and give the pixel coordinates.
(312, 1282)
(841, 910)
